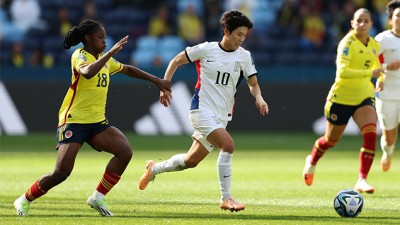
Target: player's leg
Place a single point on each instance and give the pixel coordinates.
(179, 162)
(366, 119)
(387, 142)
(221, 139)
(113, 141)
(388, 116)
(203, 123)
(65, 162)
(332, 135)
(337, 118)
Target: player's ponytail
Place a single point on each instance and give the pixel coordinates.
(72, 38)
(76, 34)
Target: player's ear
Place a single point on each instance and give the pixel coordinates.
(226, 31)
(87, 37)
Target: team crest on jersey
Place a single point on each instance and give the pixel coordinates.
(68, 134)
(237, 66)
(217, 120)
(82, 57)
(345, 51)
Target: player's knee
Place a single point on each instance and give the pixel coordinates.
(60, 175)
(124, 154)
(127, 154)
(325, 142)
(227, 147)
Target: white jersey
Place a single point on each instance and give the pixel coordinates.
(390, 51)
(219, 73)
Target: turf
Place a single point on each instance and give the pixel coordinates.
(266, 177)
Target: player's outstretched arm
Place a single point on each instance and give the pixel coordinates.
(178, 60)
(90, 70)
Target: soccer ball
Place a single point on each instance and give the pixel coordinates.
(348, 203)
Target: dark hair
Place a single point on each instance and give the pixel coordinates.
(76, 34)
(233, 19)
(363, 10)
(391, 6)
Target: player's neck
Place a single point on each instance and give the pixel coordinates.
(364, 39)
(395, 32)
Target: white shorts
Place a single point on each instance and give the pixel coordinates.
(388, 112)
(204, 122)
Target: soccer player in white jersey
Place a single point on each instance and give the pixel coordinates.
(388, 86)
(220, 67)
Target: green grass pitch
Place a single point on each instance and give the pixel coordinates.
(267, 177)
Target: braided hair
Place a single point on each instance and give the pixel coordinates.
(77, 33)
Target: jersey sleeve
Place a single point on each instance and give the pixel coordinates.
(79, 59)
(249, 67)
(195, 52)
(114, 66)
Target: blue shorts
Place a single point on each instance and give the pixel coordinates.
(340, 114)
(79, 133)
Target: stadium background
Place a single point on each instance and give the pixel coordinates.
(293, 44)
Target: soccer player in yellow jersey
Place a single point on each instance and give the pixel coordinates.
(82, 115)
(352, 95)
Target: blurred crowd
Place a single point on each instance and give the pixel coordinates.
(285, 31)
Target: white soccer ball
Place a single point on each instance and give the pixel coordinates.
(348, 203)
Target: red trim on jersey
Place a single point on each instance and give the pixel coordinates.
(381, 58)
(73, 87)
(198, 84)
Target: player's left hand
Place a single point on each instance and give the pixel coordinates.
(261, 105)
(165, 98)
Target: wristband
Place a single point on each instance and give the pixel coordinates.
(259, 97)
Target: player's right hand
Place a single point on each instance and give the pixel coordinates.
(379, 86)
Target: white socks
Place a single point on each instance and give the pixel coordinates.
(386, 148)
(98, 196)
(175, 163)
(224, 166)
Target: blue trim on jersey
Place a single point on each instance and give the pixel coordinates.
(195, 99)
(241, 77)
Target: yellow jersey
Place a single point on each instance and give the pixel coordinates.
(85, 101)
(354, 65)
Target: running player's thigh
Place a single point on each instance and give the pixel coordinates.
(388, 115)
(111, 140)
(66, 156)
(365, 115)
(334, 132)
(221, 139)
